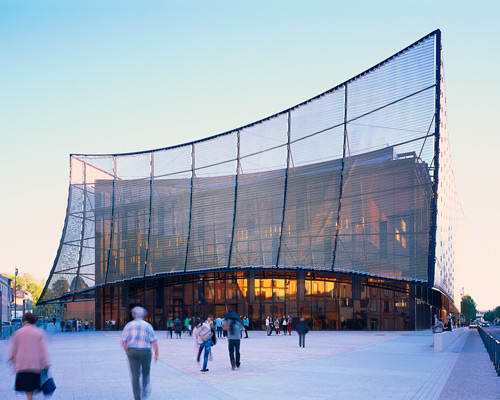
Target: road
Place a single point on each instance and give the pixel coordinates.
(494, 330)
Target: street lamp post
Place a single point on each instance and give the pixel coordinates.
(15, 294)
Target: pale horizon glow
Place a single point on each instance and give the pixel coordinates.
(115, 77)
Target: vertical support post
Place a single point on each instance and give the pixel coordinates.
(435, 185)
(150, 211)
(413, 311)
(82, 232)
(190, 204)
(238, 166)
(285, 188)
(341, 186)
(112, 223)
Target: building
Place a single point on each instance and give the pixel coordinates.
(22, 301)
(5, 299)
(341, 209)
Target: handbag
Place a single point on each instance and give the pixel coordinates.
(47, 382)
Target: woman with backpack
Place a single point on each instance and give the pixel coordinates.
(202, 334)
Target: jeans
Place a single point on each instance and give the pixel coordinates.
(234, 350)
(139, 359)
(206, 345)
(219, 331)
(302, 340)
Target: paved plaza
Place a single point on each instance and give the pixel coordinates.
(334, 365)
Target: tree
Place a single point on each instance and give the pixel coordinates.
(468, 307)
(496, 311)
(60, 287)
(34, 286)
(489, 316)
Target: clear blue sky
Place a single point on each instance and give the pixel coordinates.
(122, 76)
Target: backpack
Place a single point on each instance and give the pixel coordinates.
(205, 333)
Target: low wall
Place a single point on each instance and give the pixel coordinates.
(443, 340)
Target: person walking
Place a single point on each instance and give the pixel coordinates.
(202, 334)
(178, 328)
(170, 327)
(302, 330)
(277, 326)
(138, 338)
(269, 324)
(224, 331)
(218, 326)
(246, 324)
(28, 353)
(233, 325)
(289, 325)
(187, 324)
(284, 325)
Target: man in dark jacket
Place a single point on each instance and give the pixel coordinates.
(302, 331)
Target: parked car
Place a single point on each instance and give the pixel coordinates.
(16, 321)
(6, 323)
(473, 324)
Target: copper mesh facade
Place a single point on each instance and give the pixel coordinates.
(356, 181)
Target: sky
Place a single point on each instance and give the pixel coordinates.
(99, 77)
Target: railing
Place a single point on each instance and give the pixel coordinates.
(8, 330)
(492, 346)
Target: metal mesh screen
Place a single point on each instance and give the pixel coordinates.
(450, 220)
(344, 182)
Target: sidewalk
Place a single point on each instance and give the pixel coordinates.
(334, 365)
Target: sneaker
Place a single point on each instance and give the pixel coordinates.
(232, 366)
(238, 365)
(204, 370)
(146, 392)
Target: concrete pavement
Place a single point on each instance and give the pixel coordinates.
(334, 365)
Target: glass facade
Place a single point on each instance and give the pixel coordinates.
(354, 183)
(327, 301)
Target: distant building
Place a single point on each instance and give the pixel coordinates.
(23, 302)
(5, 296)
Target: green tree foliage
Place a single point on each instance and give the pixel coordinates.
(468, 307)
(34, 286)
(489, 316)
(496, 311)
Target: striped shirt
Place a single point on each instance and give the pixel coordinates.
(138, 334)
